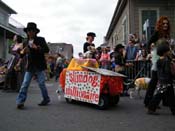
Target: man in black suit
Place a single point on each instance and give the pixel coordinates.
(34, 48)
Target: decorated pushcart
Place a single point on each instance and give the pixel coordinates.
(84, 81)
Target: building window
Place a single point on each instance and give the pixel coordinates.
(151, 15)
(125, 30)
(148, 15)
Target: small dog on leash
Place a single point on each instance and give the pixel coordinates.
(140, 84)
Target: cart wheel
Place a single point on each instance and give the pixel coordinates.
(114, 100)
(103, 102)
(117, 99)
(69, 100)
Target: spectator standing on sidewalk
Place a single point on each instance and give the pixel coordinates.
(13, 77)
(35, 48)
(131, 49)
(120, 64)
(162, 30)
(59, 66)
(105, 59)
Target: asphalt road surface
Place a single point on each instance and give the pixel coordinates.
(129, 115)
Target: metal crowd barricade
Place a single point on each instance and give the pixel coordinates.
(140, 68)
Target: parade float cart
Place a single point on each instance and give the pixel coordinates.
(84, 81)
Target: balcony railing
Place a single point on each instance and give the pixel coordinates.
(15, 23)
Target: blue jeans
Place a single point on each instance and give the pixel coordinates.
(22, 96)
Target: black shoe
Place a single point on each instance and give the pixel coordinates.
(20, 106)
(158, 107)
(146, 106)
(151, 112)
(173, 113)
(44, 103)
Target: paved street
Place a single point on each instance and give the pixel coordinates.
(129, 115)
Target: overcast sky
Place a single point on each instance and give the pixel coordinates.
(66, 20)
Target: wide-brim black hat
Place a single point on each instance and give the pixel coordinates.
(91, 34)
(33, 26)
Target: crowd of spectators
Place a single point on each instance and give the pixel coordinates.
(135, 50)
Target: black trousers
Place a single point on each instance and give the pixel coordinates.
(57, 72)
(151, 88)
(169, 92)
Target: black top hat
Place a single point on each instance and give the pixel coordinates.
(91, 34)
(33, 26)
(119, 46)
